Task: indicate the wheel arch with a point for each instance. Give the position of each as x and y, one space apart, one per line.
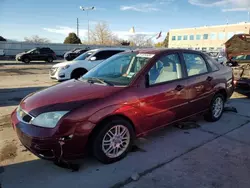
25 56
223 92
78 69
100 123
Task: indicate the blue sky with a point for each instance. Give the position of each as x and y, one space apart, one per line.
54 19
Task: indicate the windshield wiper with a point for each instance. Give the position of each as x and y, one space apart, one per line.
92 80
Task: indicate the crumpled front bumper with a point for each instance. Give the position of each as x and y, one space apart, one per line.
48 147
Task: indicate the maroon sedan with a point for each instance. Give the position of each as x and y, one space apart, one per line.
126 96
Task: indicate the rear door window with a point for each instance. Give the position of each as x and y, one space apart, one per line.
101 55
106 54
212 63
195 64
45 51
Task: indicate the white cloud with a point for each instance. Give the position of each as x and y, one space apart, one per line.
208 3
235 9
64 30
140 8
225 5
100 8
146 7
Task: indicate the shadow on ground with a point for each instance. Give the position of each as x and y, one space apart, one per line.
13 96
2 63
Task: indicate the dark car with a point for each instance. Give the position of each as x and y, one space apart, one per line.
37 54
69 56
124 97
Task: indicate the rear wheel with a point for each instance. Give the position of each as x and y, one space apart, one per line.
26 60
76 74
49 60
113 141
216 108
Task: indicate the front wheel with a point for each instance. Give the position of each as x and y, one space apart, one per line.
216 108
26 60
50 60
113 141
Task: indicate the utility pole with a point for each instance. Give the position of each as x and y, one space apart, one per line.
87 9
77 27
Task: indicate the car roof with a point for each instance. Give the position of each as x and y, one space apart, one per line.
103 49
157 51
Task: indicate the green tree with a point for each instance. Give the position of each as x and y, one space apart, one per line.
2 39
159 45
72 38
165 42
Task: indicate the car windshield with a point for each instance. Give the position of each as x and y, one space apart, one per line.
119 69
84 55
31 50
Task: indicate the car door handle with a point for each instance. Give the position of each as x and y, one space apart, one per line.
179 87
209 78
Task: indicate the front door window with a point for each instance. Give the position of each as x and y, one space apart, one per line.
167 68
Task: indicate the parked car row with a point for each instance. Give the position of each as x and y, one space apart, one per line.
120 99
218 56
37 54
72 54
82 64
47 54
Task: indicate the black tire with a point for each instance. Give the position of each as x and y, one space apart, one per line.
26 60
99 136
50 60
76 74
210 115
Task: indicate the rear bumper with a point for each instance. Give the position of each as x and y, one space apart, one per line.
242 83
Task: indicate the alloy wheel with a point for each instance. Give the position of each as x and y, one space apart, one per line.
116 141
217 107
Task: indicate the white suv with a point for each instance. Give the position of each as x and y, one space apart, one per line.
82 64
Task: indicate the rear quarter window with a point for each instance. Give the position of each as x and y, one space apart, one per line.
213 65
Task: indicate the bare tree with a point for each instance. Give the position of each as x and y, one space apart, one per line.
101 34
141 40
36 39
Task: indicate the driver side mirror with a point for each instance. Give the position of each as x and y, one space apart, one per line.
93 58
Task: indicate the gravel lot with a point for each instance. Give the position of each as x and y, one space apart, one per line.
211 155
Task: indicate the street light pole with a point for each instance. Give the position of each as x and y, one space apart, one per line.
87 9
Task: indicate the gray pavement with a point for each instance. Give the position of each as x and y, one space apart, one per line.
214 155
13 62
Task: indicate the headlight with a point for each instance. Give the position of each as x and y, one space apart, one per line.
48 119
65 67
